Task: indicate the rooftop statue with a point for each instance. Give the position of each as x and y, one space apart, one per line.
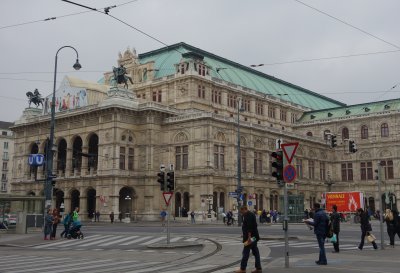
120 76
35 97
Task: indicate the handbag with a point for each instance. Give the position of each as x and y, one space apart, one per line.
371 238
334 238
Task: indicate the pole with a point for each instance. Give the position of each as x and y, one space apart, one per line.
285 225
168 233
239 166
48 187
380 204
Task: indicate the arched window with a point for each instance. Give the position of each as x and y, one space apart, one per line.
309 134
364 132
384 130
345 133
326 134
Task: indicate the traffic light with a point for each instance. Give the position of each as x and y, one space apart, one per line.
352 146
170 181
161 180
53 182
278 165
333 141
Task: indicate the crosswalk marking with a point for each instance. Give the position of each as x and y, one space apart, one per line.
153 241
69 242
136 240
118 241
100 241
191 269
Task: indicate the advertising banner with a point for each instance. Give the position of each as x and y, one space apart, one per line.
345 201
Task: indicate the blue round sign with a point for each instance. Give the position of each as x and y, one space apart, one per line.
249 203
289 173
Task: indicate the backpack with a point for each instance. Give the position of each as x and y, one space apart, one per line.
329 229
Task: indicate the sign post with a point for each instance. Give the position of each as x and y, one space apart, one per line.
289 175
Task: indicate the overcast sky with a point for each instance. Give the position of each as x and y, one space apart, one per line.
247 31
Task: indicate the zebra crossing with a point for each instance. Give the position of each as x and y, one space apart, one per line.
295 244
99 242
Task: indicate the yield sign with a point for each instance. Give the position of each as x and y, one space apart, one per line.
289 149
167 197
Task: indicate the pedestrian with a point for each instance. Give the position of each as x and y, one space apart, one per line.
320 224
48 223
120 217
365 228
335 220
97 216
66 222
390 225
75 214
56 220
163 214
112 217
250 239
396 217
193 221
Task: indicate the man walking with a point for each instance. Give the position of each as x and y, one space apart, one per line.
249 230
320 224
335 220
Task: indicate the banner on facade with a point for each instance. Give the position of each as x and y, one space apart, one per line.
345 201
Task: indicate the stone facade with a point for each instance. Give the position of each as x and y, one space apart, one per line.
109 151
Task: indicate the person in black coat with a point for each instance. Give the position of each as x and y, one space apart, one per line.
320 224
365 228
390 225
335 220
249 230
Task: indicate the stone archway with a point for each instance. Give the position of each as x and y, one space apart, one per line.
59 194
75 199
126 196
178 204
91 202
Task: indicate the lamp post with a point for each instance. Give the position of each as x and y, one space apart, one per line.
49 152
239 163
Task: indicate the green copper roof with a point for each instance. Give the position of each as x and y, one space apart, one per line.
352 110
165 59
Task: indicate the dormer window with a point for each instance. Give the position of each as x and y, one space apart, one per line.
201 69
182 68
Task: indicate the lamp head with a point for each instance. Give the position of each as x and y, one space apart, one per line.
77 65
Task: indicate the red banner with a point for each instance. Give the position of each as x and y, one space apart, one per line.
345 201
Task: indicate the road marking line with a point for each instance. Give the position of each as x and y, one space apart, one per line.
153 241
118 241
136 240
100 241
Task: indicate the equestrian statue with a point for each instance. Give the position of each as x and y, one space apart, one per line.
120 76
35 97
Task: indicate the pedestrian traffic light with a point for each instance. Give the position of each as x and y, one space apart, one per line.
352 146
161 180
333 141
277 172
170 181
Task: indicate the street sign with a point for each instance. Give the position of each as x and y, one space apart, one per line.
290 186
249 203
36 160
289 173
167 197
232 194
278 143
289 149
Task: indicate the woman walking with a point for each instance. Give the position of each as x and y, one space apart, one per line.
390 225
365 228
56 220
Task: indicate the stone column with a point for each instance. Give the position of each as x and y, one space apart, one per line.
83 213
68 165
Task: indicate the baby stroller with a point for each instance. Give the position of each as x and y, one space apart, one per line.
75 231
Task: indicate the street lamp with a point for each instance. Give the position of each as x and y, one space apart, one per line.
50 143
239 163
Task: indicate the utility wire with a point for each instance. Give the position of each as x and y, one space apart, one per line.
106 12
347 24
328 58
387 91
61 16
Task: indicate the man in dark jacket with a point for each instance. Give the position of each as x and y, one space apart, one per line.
335 220
249 230
320 224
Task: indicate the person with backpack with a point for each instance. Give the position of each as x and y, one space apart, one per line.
335 220
66 222
365 228
321 228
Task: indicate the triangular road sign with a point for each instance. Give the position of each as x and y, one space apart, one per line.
167 197
289 149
